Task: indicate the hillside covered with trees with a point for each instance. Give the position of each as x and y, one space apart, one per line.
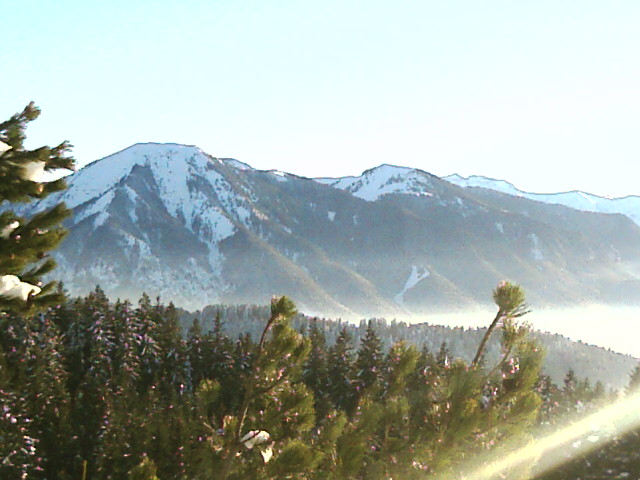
597 364
117 390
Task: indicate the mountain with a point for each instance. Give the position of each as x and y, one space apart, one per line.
629 206
174 221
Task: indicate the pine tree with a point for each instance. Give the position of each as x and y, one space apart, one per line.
32 379
369 361
315 374
195 354
444 357
221 364
24 243
273 411
511 303
396 440
634 381
172 359
478 407
340 361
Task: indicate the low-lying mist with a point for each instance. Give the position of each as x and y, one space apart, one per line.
616 328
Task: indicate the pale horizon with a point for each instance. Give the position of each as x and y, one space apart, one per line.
542 95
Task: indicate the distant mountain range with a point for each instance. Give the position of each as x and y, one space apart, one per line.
629 206
174 221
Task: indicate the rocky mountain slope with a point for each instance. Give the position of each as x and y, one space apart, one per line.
174 221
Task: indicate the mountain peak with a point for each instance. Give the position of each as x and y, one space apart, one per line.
389 168
137 150
171 164
382 180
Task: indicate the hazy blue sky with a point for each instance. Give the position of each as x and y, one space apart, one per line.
545 94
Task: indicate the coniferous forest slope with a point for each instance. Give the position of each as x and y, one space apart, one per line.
591 362
174 221
119 390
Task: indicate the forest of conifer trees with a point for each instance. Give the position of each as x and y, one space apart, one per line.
117 391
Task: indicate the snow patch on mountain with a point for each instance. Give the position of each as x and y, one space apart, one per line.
536 251
233 163
97 209
278 175
383 180
416 276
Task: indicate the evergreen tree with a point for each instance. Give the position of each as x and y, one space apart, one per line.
396 441
340 361
444 357
24 243
195 354
369 360
315 373
511 303
634 381
32 379
172 354
273 410
222 366
480 407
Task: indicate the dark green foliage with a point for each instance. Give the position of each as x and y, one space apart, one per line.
369 360
511 305
35 401
270 400
342 389
145 471
119 391
25 243
315 374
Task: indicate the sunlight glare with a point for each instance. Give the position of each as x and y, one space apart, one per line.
547 452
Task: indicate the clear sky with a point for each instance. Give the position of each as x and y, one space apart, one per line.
545 94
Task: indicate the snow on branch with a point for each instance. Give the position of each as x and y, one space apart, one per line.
12 287
8 230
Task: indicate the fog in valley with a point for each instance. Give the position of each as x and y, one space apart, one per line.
610 327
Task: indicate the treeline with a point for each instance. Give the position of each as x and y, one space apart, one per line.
587 361
96 390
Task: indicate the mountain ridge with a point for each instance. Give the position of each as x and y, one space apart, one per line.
175 221
628 205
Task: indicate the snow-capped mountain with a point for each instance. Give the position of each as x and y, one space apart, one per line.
174 221
385 179
629 206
